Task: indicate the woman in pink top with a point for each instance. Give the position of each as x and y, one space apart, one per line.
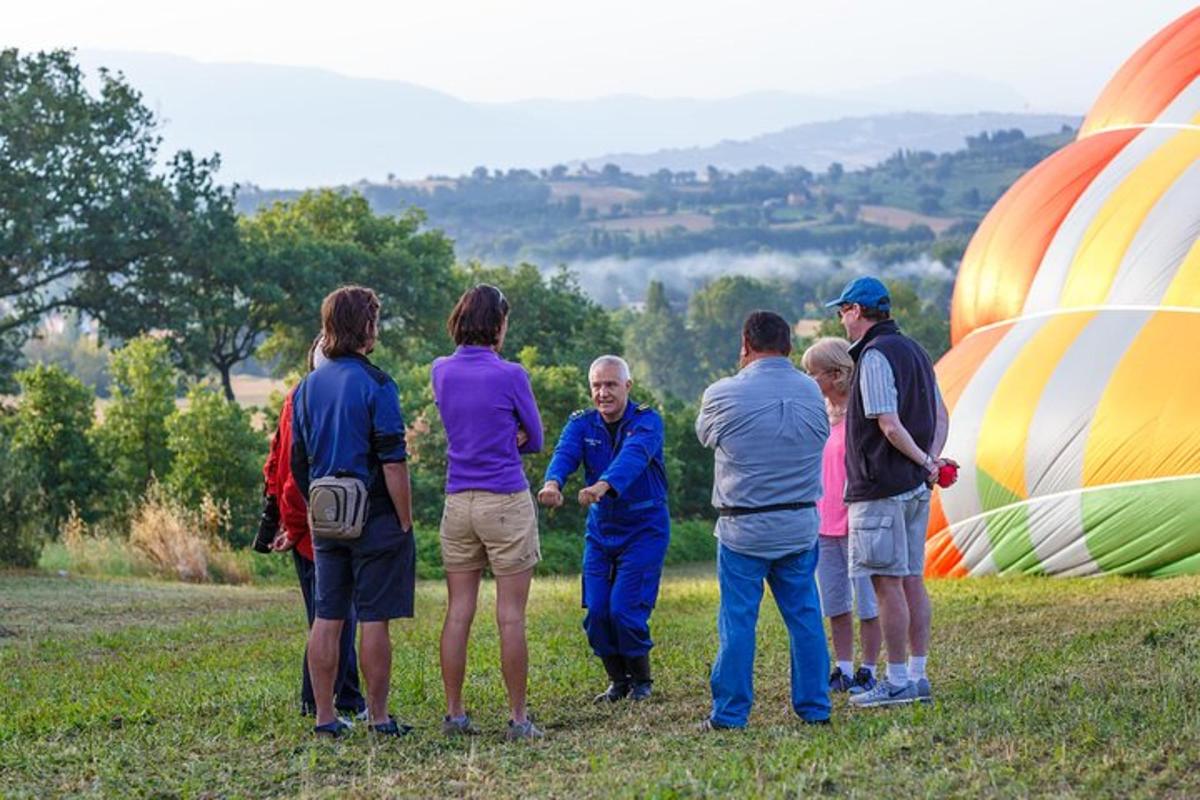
828 362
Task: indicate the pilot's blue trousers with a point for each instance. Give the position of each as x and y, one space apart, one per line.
620 588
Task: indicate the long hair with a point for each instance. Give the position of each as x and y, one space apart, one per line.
478 316
349 318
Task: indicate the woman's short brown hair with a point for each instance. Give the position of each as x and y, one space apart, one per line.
478 316
349 318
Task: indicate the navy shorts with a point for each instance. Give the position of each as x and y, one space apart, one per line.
376 572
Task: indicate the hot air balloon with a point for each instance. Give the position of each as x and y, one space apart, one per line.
1074 377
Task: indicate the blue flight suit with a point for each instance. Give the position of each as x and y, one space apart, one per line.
627 531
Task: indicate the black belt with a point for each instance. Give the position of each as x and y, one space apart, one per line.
740 511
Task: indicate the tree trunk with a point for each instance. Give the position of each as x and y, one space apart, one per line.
226 383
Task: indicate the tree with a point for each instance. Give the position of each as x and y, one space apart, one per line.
659 348
323 240
79 202
50 436
216 454
715 317
133 437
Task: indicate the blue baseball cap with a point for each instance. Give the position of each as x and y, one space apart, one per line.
867 292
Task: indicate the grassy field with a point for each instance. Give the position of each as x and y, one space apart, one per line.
1083 688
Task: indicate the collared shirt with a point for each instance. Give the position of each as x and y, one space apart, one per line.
878 385
483 399
346 420
768 427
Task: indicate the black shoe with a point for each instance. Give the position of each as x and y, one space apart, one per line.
839 681
639 675
619 683
391 728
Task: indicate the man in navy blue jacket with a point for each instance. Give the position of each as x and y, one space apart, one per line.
346 422
620 446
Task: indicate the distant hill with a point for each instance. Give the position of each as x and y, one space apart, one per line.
296 126
853 142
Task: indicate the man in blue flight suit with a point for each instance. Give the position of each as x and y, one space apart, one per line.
628 526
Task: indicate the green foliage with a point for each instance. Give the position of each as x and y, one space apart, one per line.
321 240
921 321
51 439
716 314
23 523
219 454
660 349
132 440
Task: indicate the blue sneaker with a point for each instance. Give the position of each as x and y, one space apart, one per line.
886 694
839 681
864 681
924 694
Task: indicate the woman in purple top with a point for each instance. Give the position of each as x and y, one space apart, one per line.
491 418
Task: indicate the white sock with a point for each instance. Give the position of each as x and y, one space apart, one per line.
916 667
847 668
869 668
897 674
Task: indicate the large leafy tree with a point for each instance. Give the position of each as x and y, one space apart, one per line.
322 240
660 350
78 193
715 317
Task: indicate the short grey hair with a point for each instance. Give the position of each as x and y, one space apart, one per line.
610 361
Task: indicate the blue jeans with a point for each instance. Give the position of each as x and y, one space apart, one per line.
740 579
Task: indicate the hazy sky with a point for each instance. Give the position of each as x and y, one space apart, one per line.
1057 54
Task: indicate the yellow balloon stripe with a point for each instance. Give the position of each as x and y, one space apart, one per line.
1185 286
1146 425
1099 255
1005 429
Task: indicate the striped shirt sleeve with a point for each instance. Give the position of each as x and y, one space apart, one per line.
877 384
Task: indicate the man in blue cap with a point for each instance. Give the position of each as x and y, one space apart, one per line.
896 425
620 445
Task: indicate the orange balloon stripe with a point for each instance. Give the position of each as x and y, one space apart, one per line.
955 369
942 557
1005 253
1148 82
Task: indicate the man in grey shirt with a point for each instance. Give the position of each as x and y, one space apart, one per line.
767 426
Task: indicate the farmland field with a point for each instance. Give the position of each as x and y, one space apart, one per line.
1075 688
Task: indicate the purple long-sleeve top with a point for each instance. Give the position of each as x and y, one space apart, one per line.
483 399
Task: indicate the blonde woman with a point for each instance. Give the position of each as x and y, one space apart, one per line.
828 362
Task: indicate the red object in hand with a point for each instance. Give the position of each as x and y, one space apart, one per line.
947 475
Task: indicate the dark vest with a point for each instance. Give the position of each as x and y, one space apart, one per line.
874 468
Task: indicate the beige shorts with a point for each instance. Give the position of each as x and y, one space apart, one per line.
481 529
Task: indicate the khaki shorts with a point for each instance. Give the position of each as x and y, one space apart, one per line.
481 529
887 537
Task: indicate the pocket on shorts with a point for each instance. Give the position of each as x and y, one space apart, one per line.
873 541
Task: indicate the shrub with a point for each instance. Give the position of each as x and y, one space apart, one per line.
51 440
22 511
133 437
182 543
218 454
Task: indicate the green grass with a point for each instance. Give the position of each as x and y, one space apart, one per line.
127 688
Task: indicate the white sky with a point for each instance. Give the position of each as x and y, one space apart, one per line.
1056 53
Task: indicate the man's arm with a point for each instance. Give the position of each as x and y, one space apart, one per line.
568 454
639 447
881 402
706 420
395 475
943 426
899 437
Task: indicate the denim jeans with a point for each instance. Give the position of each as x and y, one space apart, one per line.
792 582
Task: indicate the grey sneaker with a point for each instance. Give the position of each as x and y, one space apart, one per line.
864 681
518 731
461 726
924 695
885 694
